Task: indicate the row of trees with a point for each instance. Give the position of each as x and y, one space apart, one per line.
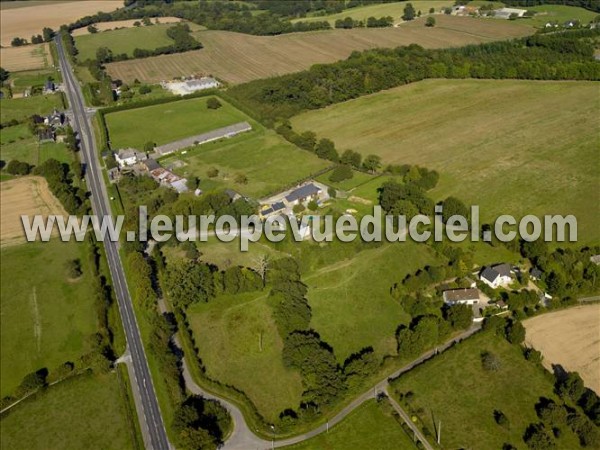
46 36
560 56
372 22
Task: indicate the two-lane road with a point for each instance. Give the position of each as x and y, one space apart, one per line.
151 422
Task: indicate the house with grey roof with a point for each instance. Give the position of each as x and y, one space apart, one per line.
496 276
129 156
469 296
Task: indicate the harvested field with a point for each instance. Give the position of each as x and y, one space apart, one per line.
105 26
28 57
30 196
29 20
238 58
570 338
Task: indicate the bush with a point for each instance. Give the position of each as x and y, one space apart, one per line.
341 173
490 362
313 206
213 172
430 22
213 103
298 208
73 268
15 167
241 178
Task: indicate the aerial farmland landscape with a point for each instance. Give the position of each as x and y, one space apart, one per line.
299 224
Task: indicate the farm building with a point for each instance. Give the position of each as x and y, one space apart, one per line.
56 120
189 86
496 276
506 13
220 133
167 178
129 157
150 164
273 209
468 296
303 194
46 135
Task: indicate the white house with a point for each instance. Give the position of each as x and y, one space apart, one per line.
468 296
192 85
129 157
506 13
496 276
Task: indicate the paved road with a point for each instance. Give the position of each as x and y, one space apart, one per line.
152 426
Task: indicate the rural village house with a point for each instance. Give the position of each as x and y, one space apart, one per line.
496 276
468 296
129 156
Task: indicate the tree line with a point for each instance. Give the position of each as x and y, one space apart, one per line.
567 55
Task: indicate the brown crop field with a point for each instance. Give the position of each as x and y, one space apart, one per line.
30 196
238 58
105 26
28 57
570 338
29 20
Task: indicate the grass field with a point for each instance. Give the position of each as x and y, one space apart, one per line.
168 122
230 331
47 319
559 333
22 108
534 152
350 313
30 18
116 24
455 389
123 41
558 13
84 412
369 427
28 57
238 58
269 162
28 78
394 9
18 143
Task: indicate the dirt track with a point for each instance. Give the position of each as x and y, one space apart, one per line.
570 338
28 195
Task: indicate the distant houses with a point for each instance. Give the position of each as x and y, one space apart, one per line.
496 276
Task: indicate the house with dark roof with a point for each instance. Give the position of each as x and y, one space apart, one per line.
303 194
496 276
150 164
535 273
49 87
233 195
468 296
56 119
275 208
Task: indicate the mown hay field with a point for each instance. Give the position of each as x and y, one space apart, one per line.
571 339
29 20
28 57
26 195
511 147
238 58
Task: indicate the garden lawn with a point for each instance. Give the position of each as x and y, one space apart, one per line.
46 319
511 147
168 122
455 389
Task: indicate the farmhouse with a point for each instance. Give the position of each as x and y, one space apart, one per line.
496 276
150 164
535 273
56 120
49 87
220 133
46 135
461 296
192 85
129 157
303 194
